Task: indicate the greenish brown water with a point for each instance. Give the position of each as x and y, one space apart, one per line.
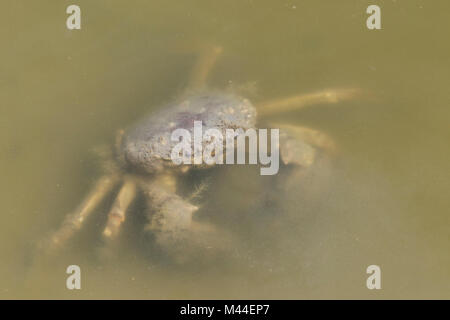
383 200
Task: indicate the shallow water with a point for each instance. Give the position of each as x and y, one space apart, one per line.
382 200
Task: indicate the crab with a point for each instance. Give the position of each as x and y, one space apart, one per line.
142 158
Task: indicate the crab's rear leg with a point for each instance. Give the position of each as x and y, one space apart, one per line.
119 208
73 222
304 100
203 67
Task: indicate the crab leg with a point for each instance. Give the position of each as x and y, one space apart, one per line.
171 212
203 67
74 221
304 100
298 144
118 210
311 136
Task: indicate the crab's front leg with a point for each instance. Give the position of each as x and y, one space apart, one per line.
172 215
303 148
299 145
171 219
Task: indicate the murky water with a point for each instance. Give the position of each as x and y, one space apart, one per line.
382 200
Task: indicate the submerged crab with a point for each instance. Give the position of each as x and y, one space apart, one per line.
143 160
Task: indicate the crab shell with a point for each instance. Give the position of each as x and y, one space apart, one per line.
147 146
